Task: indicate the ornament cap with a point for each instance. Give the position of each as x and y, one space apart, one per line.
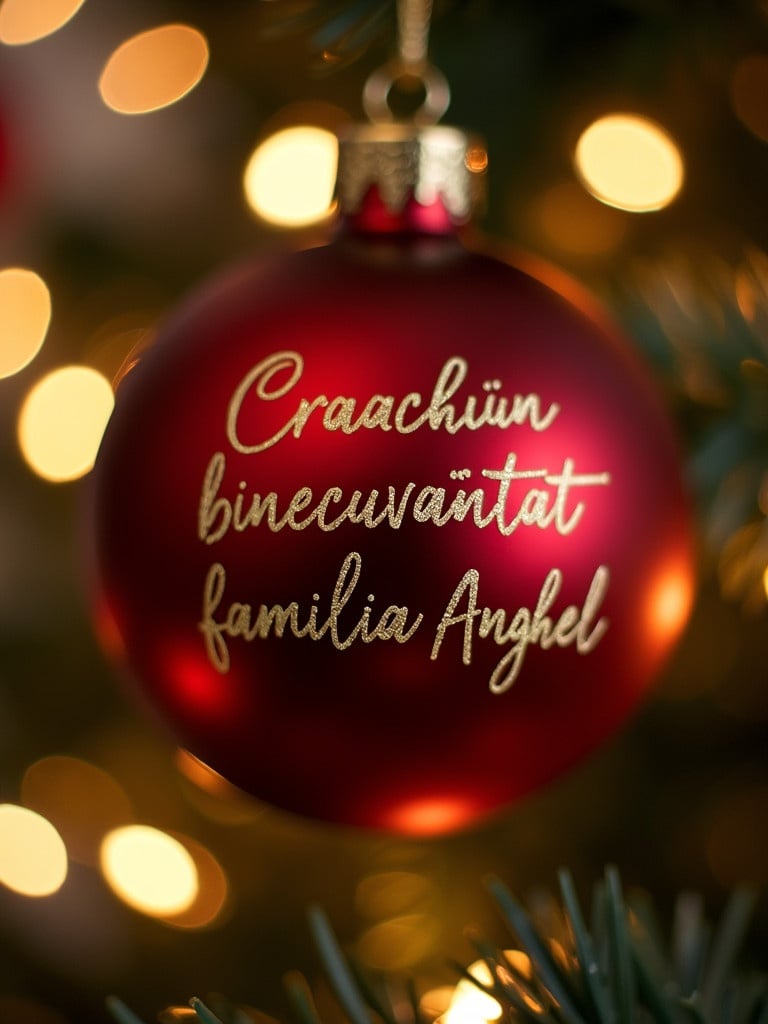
412 168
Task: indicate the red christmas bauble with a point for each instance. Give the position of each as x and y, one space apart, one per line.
390 531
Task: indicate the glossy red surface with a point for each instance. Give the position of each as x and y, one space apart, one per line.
381 733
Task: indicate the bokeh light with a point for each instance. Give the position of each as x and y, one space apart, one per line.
399 943
33 858
80 800
290 177
749 94
436 1001
520 971
25 313
469 1005
741 566
520 962
154 69
62 421
26 21
576 223
149 870
392 892
629 162
210 900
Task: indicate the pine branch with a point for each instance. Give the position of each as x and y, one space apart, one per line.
618 971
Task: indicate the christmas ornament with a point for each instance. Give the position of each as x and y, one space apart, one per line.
390 531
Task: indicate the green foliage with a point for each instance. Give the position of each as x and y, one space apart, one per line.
616 970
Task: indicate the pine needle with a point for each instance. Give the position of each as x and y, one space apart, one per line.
616 970
120 1011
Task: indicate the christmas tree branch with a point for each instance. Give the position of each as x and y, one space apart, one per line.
616 971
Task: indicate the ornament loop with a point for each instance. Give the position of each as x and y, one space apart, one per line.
413 18
381 82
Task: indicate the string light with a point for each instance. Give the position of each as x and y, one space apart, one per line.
154 69
33 858
469 1005
289 178
629 162
25 314
26 21
62 421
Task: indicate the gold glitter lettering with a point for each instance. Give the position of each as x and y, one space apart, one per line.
243 621
525 628
380 410
536 507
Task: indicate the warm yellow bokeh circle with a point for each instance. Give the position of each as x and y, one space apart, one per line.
62 421
290 177
33 858
629 162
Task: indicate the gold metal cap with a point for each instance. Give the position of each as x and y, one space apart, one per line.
405 161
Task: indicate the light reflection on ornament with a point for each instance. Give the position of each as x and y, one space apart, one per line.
198 684
154 69
213 796
149 870
62 421
289 178
26 21
33 858
25 314
629 162
202 776
669 603
431 816
477 159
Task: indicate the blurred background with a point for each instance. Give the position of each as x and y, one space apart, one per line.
135 162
